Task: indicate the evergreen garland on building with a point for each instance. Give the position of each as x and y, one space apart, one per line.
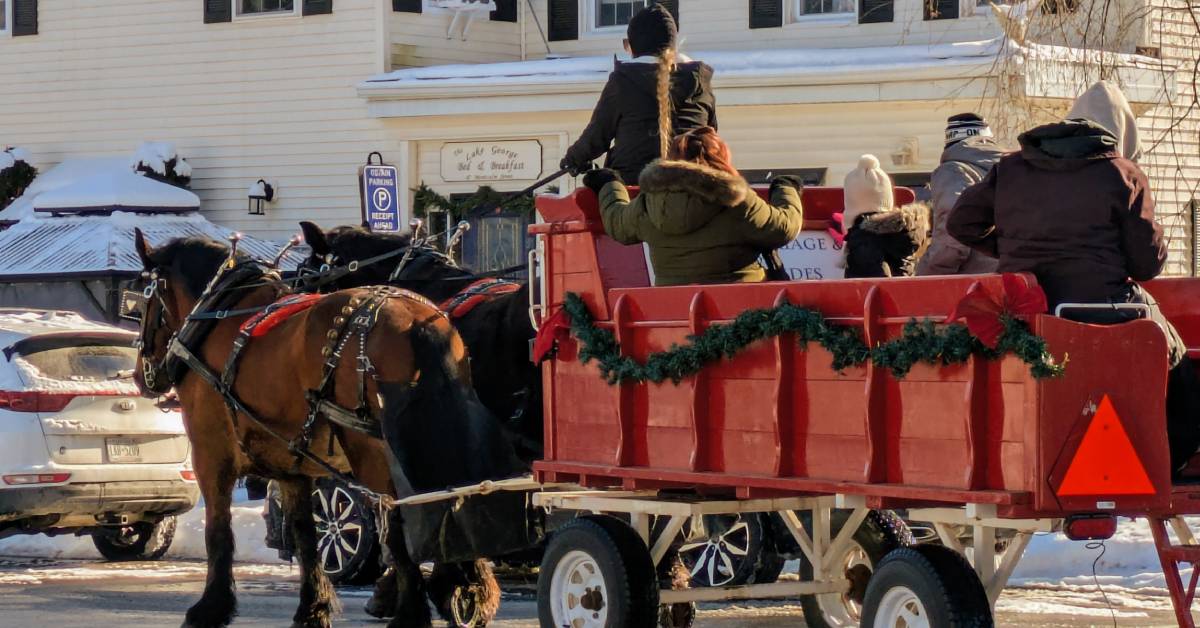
426 199
16 174
921 342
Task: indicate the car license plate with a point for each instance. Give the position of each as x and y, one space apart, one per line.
123 450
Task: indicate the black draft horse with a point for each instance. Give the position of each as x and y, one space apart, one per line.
416 390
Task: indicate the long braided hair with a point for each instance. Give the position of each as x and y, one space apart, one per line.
666 124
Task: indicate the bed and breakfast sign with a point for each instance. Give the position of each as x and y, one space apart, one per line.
379 186
519 160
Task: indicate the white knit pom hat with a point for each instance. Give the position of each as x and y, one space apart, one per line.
867 189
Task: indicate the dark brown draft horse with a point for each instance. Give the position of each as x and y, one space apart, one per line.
252 402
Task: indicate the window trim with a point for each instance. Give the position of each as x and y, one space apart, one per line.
8 9
589 9
238 16
794 16
429 9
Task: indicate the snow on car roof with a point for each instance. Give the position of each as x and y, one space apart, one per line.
16 323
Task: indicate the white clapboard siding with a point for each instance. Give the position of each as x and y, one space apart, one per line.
724 25
1171 134
419 39
268 98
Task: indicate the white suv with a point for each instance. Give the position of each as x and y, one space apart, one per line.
80 451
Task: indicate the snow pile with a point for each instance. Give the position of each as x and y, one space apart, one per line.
11 156
249 531
1129 561
159 158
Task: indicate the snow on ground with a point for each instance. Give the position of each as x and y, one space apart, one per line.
248 528
1129 560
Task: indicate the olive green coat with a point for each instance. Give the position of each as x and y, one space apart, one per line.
702 225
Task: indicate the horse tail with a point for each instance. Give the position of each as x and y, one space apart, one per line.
439 433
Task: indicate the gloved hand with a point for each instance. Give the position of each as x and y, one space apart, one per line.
595 180
789 180
573 167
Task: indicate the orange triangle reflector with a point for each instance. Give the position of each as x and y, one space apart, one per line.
1106 462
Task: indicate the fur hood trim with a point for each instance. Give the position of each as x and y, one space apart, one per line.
716 186
912 219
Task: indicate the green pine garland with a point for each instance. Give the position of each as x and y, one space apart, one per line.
426 199
921 342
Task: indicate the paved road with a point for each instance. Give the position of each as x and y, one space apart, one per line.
87 594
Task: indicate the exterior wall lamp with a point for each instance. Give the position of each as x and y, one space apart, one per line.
260 192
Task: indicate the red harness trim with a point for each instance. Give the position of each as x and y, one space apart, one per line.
262 323
481 291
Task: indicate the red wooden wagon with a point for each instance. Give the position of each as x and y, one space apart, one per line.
983 444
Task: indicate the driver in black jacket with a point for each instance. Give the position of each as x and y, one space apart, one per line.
647 101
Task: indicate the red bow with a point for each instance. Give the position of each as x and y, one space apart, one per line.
835 229
553 329
983 312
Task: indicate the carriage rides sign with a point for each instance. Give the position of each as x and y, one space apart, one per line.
379 190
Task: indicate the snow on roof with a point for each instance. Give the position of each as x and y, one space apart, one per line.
749 63
116 191
58 246
65 173
31 322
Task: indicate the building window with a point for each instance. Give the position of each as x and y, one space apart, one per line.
258 8
810 8
4 17
615 13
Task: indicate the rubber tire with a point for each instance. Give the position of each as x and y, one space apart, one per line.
941 579
151 543
762 564
622 559
879 534
364 567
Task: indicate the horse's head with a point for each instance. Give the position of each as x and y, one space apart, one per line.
175 275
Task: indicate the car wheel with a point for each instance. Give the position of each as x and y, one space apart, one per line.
735 552
347 543
139 541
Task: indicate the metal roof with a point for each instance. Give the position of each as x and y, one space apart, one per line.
75 246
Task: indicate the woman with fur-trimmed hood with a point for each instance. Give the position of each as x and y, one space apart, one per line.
703 222
879 240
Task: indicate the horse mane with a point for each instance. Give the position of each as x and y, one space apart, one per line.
194 260
366 243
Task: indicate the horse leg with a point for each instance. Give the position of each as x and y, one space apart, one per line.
218 604
317 599
411 609
473 580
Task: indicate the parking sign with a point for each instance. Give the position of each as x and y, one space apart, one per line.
381 197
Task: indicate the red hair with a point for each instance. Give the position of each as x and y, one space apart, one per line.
702 146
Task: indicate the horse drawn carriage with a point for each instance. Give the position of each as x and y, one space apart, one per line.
823 403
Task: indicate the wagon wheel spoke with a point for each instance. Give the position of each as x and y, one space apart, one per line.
712 570
732 548
337 553
728 564
700 563
326 513
352 527
344 505
344 545
688 548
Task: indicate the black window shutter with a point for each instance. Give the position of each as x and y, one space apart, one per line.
316 7
24 17
876 11
218 11
941 9
564 20
408 6
506 11
672 6
766 13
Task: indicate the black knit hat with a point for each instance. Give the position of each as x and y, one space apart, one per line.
964 125
652 31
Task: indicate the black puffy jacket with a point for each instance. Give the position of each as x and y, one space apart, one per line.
625 121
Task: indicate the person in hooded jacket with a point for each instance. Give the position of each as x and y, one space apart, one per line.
878 239
1074 209
971 151
702 221
646 102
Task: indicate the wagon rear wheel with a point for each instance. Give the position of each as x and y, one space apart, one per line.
924 586
597 573
880 533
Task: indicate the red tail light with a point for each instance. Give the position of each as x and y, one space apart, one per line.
37 478
188 475
38 401
1090 527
